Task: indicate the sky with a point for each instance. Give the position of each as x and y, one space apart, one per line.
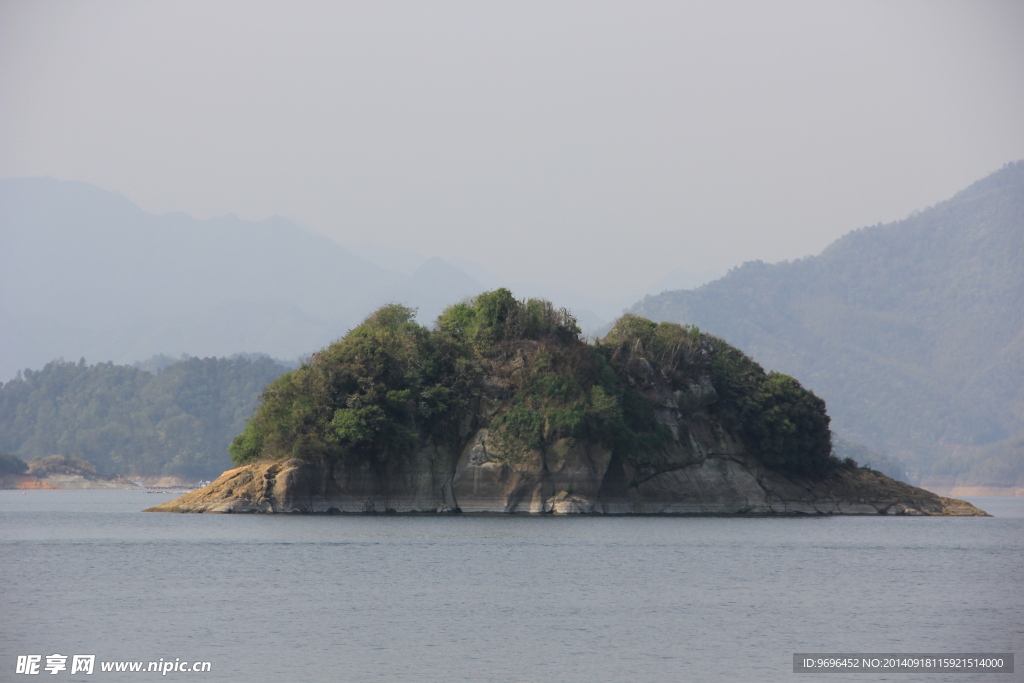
583 145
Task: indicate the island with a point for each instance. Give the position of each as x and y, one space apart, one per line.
501 407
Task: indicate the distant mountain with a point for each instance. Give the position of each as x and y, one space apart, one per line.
681 278
434 286
913 332
592 312
85 272
389 258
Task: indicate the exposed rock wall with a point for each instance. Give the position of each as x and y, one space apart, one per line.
704 468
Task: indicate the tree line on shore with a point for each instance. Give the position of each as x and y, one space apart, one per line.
127 420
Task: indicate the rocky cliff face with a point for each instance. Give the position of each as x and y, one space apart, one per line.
705 469
719 485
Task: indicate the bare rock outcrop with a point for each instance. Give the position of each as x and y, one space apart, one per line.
699 478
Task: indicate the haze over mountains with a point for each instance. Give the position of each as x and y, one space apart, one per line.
85 272
913 332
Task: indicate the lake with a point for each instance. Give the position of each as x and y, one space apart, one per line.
498 598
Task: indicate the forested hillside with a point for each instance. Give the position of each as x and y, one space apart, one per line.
913 332
128 421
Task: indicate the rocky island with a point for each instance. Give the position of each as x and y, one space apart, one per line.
502 408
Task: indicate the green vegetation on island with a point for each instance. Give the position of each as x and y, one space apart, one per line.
392 386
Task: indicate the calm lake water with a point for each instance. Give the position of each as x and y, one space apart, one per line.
389 598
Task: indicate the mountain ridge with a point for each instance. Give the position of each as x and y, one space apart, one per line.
913 331
86 272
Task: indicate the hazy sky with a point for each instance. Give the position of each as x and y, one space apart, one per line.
579 144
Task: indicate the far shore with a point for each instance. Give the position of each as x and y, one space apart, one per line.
77 482
958 491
